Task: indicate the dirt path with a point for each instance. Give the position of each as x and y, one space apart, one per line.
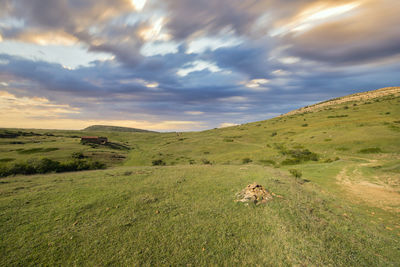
378 195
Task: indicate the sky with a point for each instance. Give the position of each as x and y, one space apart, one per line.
187 65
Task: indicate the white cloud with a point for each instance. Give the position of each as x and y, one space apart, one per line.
197 65
152 84
314 15
194 112
227 124
280 72
159 48
28 107
155 31
69 56
289 60
202 44
256 83
138 4
234 99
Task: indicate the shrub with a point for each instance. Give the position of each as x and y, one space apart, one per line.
337 116
7 159
246 160
206 161
296 173
290 162
304 125
267 161
46 165
158 162
298 156
78 155
303 155
273 134
370 150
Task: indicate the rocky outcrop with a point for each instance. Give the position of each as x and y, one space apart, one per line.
254 193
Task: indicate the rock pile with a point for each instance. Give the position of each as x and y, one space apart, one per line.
254 193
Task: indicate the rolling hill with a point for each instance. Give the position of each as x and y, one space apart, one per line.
170 199
106 128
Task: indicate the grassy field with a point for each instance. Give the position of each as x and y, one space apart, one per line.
343 210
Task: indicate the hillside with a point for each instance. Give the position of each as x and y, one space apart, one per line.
106 128
358 97
334 171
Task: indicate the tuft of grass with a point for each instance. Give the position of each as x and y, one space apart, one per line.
37 150
296 173
370 150
267 162
158 162
246 160
337 116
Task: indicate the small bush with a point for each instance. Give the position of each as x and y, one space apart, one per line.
206 161
78 155
6 159
290 162
158 162
370 150
246 160
296 173
46 165
273 134
304 125
337 116
267 162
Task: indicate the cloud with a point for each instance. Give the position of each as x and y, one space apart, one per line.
369 34
163 62
227 124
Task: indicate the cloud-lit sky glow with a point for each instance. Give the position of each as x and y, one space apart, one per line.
179 65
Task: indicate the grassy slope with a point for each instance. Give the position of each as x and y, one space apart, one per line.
346 215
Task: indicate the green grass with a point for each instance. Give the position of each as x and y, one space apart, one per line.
184 213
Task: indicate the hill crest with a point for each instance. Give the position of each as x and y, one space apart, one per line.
108 128
364 96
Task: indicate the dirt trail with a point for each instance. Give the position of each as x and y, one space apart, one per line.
375 194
